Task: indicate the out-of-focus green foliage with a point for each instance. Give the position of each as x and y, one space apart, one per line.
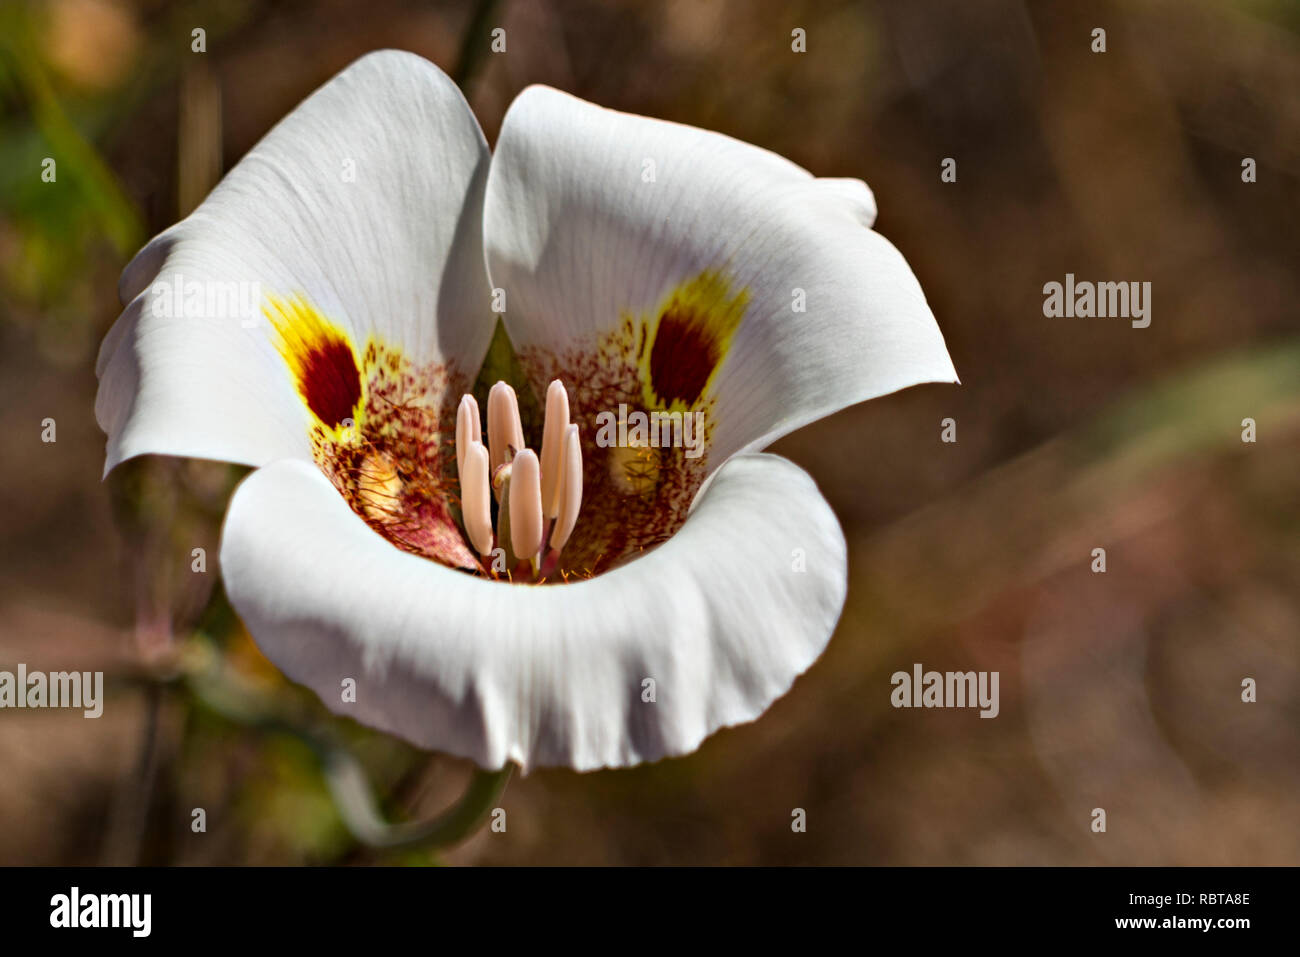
57 223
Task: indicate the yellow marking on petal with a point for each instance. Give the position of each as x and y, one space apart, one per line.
321 359
684 344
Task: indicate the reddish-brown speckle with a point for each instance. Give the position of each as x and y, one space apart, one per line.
397 467
633 499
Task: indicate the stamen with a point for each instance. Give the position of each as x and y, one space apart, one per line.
538 498
475 503
557 421
505 430
570 489
468 429
525 506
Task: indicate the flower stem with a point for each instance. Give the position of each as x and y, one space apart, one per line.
222 693
356 803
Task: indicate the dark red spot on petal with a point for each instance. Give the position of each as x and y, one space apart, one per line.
329 381
682 357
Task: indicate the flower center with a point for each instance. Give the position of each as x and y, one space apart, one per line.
381 428
537 499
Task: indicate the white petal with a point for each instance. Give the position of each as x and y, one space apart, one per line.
366 199
718 617
579 238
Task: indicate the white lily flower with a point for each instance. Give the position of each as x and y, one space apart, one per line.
647 267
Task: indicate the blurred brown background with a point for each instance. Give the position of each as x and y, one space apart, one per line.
1119 691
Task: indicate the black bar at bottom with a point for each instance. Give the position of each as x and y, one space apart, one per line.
930 905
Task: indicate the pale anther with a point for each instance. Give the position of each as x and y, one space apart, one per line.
525 505
475 500
468 428
505 431
557 421
570 495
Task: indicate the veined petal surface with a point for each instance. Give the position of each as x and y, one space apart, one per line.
641 662
355 222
